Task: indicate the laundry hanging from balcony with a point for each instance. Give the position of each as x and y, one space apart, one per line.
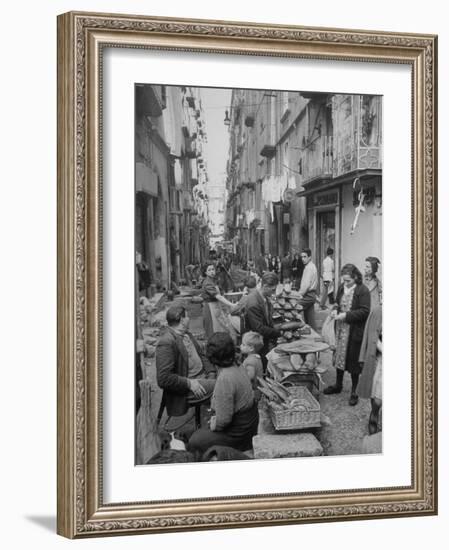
273 188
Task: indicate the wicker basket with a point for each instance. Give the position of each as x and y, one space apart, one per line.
295 419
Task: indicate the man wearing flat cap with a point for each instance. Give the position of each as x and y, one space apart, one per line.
183 371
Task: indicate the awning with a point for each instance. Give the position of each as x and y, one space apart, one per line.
322 184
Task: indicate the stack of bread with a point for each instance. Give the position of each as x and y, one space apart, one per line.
288 313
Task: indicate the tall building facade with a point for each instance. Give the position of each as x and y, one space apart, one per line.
305 170
171 213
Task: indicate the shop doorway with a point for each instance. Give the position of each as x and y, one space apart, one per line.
325 237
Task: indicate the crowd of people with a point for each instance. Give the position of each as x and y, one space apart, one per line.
189 375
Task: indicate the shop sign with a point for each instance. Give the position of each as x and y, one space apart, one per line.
325 199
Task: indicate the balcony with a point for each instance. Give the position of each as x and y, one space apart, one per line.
150 100
317 160
354 149
268 151
358 133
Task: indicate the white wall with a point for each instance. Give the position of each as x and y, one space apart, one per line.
28 274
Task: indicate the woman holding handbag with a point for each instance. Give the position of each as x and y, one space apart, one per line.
350 313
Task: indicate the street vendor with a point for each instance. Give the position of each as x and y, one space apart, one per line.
259 313
216 308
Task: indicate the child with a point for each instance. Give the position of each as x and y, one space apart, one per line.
252 343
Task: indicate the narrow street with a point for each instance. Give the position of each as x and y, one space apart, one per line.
343 426
251 184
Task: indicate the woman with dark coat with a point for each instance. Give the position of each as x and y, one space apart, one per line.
350 313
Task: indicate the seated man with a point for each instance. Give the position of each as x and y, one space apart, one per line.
183 372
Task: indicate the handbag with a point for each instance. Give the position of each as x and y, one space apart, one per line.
328 331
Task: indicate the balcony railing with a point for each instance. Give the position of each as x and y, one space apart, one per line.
317 159
356 143
357 124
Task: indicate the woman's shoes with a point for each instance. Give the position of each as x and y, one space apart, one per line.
372 424
354 399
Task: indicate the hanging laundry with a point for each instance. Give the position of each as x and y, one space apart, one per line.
276 189
283 184
292 182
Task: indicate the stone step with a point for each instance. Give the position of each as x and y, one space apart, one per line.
286 445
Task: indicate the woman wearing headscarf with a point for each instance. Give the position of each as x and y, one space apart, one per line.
350 313
216 308
370 383
372 281
236 415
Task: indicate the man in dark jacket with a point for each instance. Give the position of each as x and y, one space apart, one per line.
259 314
183 371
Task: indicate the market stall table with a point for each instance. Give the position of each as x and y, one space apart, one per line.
298 362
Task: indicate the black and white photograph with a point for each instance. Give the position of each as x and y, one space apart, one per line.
258 274
228 212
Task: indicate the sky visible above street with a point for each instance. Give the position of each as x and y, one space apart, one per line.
215 102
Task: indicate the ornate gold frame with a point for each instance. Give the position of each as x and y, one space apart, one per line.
81 37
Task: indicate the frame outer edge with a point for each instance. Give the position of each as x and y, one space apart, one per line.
77 224
65 281
93 270
434 138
